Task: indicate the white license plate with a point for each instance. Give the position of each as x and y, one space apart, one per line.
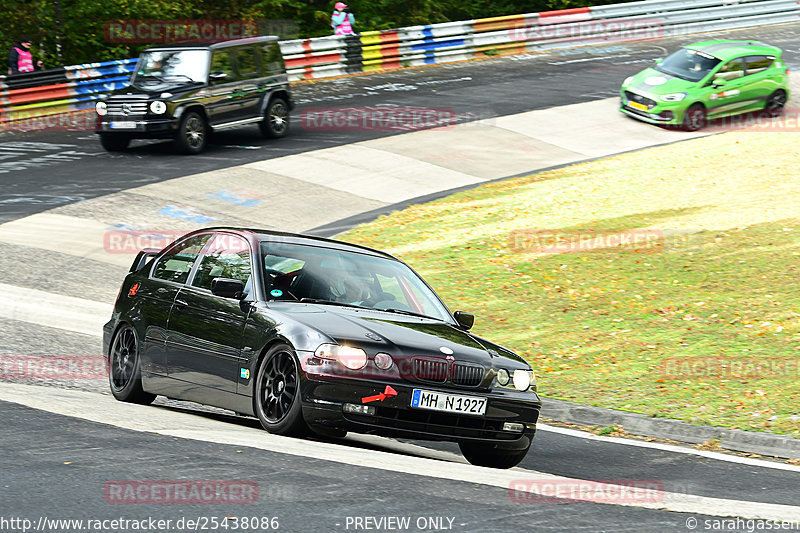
450 403
123 125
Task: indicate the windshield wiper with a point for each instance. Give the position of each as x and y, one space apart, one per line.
330 302
409 313
159 78
181 76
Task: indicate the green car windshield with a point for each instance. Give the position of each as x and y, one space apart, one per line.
688 64
324 275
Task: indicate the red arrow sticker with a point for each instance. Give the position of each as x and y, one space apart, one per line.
388 392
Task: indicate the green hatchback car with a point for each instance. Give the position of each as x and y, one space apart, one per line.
708 80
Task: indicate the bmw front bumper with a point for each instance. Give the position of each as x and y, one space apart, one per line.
323 403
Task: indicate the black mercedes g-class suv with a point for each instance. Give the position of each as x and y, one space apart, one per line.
185 91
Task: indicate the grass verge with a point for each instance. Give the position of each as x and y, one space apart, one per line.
699 323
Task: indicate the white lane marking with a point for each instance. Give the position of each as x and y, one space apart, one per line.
53 310
671 448
599 58
102 409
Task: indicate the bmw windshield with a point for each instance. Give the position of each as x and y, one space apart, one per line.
687 64
296 272
172 66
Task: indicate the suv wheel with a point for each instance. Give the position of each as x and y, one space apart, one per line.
114 142
276 120
192 133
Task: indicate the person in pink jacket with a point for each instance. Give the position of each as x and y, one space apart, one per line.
20 59
342 20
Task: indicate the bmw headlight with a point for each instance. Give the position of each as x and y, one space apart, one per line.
674 97
350 357
502 377
158 107
101 108
523 379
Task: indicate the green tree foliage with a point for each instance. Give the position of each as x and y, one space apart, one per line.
76 36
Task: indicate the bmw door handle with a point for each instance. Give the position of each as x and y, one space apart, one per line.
180 304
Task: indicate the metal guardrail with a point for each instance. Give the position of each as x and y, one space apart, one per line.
61 90
77 87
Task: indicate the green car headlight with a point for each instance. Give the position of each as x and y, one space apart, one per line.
674 97
627 81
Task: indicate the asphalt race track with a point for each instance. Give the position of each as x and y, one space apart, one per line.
63 443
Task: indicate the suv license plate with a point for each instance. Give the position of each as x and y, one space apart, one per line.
123 125
450 403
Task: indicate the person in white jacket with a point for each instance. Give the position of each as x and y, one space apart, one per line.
342 20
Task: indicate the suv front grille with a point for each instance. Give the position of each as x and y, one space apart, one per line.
127 109
633 97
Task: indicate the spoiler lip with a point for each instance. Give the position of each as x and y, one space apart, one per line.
142 257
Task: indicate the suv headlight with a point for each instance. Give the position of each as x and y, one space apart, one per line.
158 107
101 108
674 97
352 358
523 379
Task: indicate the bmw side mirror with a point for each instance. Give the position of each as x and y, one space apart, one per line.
217 76
227 288
465 320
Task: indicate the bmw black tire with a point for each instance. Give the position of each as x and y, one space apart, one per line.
695 118
492 455
276 119
192 133
775 103
124 372
114 142
276 397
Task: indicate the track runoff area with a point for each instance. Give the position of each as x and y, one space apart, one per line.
63 227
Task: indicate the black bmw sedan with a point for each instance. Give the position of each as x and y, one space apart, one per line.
315 336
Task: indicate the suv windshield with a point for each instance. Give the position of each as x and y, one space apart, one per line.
181 66
688 64
323 275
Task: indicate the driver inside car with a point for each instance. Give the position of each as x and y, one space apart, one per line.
350 289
